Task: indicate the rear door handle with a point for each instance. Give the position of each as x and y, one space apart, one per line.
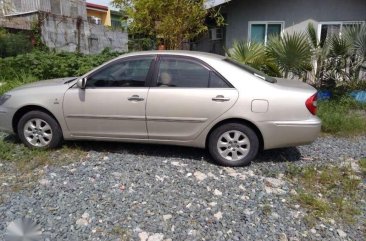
135 98
220 98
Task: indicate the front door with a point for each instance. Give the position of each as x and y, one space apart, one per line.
187 97
113 103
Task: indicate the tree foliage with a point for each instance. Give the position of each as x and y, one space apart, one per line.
175 21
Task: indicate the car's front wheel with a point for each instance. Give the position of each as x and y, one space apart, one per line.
37 129
233 144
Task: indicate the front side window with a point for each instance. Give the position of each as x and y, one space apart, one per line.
260 32
187 74
125 73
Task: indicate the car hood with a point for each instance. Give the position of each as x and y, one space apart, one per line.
45 83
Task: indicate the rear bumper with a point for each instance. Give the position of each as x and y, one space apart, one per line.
278 134
6 116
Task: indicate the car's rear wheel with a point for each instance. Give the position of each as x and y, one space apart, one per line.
233 144
37 129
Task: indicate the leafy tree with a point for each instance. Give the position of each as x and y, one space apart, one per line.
174 21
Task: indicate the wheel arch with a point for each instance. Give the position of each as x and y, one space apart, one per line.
240 121
25 109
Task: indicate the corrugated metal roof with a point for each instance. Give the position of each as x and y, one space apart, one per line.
214 3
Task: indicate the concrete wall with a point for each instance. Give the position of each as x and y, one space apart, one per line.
67 34
296 14
64 25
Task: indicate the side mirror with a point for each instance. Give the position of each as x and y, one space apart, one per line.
81 83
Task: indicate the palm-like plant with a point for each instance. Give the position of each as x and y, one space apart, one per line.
356 39
291 52
254 55
356 36
319 51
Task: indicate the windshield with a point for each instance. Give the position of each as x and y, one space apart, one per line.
253 71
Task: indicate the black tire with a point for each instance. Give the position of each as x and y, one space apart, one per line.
57 136
219 131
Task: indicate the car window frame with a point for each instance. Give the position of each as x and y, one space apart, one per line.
154 81
120 60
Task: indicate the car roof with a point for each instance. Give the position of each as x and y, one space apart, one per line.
177 52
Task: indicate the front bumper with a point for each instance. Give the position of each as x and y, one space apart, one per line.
6 117
279 134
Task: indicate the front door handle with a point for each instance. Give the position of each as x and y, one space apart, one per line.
135 98
220 98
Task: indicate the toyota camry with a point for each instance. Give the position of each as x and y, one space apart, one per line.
167 97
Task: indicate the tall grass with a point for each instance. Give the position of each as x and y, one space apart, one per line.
18 80
343 117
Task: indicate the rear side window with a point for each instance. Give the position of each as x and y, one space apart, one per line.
187 74
217 82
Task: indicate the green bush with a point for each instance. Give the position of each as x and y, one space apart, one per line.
47 65
14 44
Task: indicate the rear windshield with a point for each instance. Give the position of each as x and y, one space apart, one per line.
251 70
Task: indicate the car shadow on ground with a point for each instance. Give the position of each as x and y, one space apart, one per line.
291 154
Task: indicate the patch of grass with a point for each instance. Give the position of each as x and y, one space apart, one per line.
267 209
310 201
24 165
122 233
292 170
327 191
362 164
27 159
343 117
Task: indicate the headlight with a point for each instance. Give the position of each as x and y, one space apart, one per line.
4 98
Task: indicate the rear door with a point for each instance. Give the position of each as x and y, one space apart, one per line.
187 95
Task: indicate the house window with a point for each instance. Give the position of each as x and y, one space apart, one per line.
261 31
329 28
116 23
94 20
216 33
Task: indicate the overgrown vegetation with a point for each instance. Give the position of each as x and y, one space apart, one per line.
342 116
45 65
12 44
327 192
38 65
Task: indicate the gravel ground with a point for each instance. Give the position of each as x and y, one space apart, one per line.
146 192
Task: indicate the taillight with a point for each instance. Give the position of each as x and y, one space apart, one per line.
311 104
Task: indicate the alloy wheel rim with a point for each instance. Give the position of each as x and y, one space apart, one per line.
38 132
233 145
